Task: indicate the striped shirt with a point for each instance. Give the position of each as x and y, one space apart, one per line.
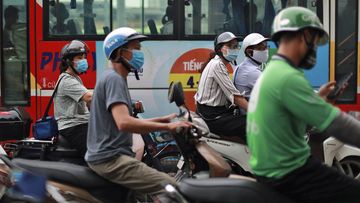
215 86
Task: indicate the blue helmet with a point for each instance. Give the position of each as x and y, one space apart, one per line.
120 37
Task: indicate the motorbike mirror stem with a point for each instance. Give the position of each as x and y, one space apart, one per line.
188 111
183 108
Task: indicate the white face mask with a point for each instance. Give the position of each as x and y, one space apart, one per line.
260 56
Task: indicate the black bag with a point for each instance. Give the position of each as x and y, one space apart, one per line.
46 128
14 123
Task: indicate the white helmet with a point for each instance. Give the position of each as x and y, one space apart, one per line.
253 39
120 37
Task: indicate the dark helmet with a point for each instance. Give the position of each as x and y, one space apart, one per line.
224 38
73 48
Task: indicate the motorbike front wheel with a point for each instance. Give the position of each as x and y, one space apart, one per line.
165 162
168 162
349 166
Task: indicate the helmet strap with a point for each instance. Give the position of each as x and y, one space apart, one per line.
128 67
309 59
255 61
137 75
124 62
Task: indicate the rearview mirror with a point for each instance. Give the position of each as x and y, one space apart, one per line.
176 93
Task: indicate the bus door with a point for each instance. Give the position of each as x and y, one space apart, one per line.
14 67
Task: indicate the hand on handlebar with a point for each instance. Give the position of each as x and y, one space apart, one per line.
179 126
167 118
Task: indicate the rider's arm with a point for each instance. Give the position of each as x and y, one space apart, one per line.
221 76
345 128
241 101
71 87
163 119
125 122
87 97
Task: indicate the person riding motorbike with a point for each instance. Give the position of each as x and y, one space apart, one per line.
281 106
72 97
111 124
216 94
256 54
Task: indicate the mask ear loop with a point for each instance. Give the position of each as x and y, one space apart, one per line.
126 64
69 63
310 44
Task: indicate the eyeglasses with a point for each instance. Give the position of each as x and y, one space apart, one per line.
233 46
261 47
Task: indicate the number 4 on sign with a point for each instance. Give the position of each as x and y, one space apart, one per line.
190 82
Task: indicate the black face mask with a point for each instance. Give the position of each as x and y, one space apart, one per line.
309 60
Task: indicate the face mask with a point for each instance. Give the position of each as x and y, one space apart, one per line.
260 56
309 59
231 54
81 65
137 60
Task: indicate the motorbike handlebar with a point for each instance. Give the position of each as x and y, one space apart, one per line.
211 135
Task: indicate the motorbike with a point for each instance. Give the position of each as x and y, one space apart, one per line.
332 152
232 148
74 182
160 150
343 157
199 158
66 182
56 149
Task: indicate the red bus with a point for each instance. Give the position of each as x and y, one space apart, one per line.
181 34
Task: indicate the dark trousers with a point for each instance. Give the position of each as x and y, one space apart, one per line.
314 183
77 137
223 121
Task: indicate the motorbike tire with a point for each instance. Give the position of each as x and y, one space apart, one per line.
349 166
167 162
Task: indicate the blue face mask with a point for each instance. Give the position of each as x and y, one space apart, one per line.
137 60
81 65
231 54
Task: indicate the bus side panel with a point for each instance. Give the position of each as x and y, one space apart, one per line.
167 61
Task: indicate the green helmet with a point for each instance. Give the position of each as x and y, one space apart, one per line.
295 18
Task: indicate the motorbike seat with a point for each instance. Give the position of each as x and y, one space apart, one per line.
62 142
229 191
74 175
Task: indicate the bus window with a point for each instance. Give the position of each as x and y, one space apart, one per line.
346 47
211 17
208 17
15 80
262 14
152 17
79 17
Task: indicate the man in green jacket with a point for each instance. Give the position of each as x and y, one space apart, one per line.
283 103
